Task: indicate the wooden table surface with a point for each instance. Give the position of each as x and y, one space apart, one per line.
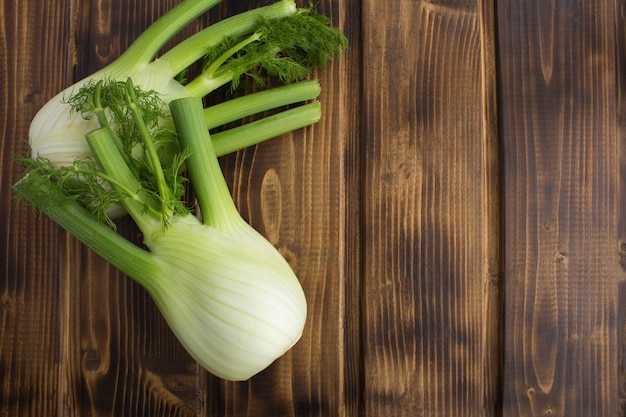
456 219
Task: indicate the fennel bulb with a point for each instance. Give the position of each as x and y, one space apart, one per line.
58 134
228 295
232 300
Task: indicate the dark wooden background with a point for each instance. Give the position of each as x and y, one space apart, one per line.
456 219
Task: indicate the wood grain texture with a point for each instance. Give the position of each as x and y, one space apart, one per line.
430 201
620 70
563 206
461 241
30 330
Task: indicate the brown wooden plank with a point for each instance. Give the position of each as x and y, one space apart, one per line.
430 205
620 47
346 125
31 382
563 199
32 335
293 189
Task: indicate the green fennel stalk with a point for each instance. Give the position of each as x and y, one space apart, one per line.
247 44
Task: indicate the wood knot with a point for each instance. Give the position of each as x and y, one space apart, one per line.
91 359
622 255
271 205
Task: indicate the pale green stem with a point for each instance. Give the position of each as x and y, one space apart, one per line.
103 120
144 212
153 156
111 180
119 252
196 46
248 105
266 128
148 44
212 69
202 85
205 174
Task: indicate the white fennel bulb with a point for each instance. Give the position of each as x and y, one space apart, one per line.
232 300
58 134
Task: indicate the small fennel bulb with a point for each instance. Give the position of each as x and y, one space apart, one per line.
58 134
